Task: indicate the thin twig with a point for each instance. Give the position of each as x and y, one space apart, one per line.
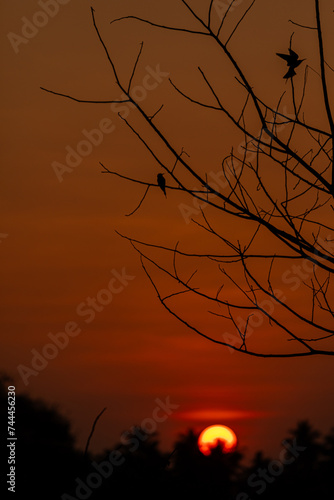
88 101
140 203
92 431
239 22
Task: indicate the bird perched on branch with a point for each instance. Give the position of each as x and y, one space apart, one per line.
162 183
292 60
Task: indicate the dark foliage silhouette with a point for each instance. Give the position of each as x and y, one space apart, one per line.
46 458
49 466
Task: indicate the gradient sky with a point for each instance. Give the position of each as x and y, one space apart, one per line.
61 246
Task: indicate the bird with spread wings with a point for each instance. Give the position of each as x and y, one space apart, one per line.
292 60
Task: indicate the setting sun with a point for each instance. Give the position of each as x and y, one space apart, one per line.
214 435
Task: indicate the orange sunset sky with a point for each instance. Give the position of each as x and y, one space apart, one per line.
59 245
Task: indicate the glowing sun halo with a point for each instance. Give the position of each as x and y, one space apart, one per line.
212 436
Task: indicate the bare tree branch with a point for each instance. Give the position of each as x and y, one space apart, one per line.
324 82
279 182
92 431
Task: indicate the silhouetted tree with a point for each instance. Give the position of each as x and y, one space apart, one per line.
303 475
48 466
300 470
327 465
195 474
46 459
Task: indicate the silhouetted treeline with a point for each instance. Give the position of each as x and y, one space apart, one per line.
49 466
